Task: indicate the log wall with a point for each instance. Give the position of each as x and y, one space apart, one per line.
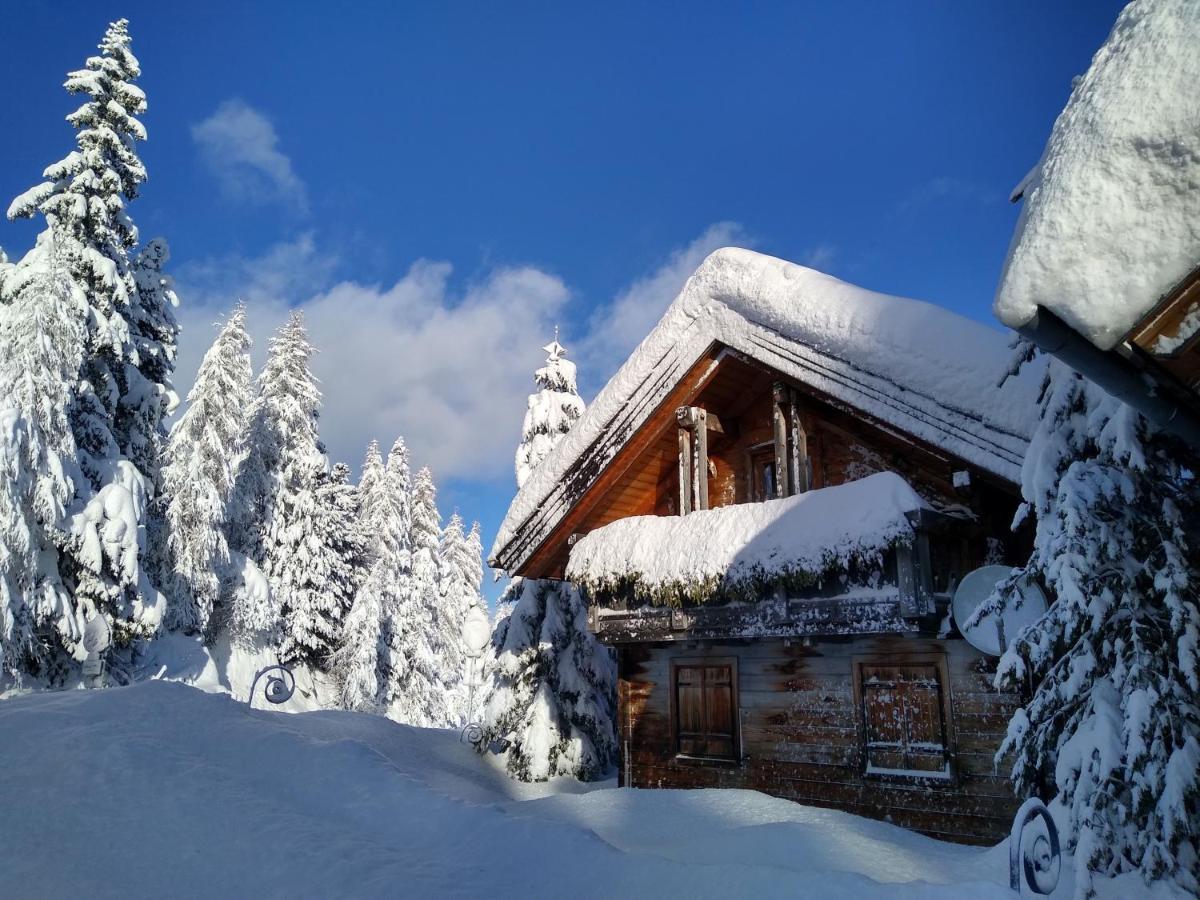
802 731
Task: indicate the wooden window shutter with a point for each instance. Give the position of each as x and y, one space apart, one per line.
706 710
903 719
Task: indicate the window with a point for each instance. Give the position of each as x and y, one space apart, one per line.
762 472
904 718
705 708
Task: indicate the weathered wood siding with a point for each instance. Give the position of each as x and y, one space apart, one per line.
801 731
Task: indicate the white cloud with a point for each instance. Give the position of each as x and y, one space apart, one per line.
819 257
240 147
448 371
614 330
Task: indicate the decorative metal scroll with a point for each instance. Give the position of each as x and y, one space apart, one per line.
1040 864
472 734
279 686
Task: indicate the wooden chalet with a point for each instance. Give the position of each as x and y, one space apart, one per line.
768 508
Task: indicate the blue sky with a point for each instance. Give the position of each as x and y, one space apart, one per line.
439 184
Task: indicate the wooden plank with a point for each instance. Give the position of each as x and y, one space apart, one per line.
778 419
685 471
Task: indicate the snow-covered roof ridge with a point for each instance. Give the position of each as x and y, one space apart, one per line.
1111 222
739 549
912 365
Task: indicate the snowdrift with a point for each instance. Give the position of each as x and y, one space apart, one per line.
161 790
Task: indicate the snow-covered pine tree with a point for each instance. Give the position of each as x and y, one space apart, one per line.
1113 725
551 411
41 349
83 201
148 396
368 662
202 455
553 685
276 485
553 693
457 595
323 588
419 696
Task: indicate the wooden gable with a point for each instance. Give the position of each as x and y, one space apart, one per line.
738 395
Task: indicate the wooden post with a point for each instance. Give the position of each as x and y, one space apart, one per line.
693 458
685 470
801 474
699 417
779 392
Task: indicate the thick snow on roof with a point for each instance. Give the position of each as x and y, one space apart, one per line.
814 533
912 365
1111 221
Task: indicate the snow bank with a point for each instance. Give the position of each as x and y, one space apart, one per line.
666 559
159 790
913 365
1111 220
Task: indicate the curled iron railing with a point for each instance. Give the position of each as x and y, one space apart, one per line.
472 734
280 685
1036 861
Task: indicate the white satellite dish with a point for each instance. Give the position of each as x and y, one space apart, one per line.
477 631
97 635
994 632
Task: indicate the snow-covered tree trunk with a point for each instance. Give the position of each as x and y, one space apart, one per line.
1113 726
202 452
553 695
551 412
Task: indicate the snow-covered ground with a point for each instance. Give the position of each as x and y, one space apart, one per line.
160 790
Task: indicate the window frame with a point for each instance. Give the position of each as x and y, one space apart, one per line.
939 662
686 662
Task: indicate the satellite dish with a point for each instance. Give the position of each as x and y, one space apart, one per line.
477 631
97 635
994 632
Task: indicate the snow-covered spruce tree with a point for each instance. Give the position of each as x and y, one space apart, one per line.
202 454
552 410
324 587
458 580
275 489
418 695
83 201
553 692
1113 726
41 347
148 396
367 663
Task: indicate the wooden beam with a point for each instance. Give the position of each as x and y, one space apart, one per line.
801 466
685 470
701 461
779 394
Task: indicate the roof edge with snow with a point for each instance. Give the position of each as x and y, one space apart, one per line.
907 364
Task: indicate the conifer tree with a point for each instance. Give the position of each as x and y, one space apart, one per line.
41 346
551 411
202 452
324 572
113 402
552 694
367 660
418 696
459 580
1112 726
276 483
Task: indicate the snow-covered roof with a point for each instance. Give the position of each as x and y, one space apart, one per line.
911 365
669 558
1111 217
